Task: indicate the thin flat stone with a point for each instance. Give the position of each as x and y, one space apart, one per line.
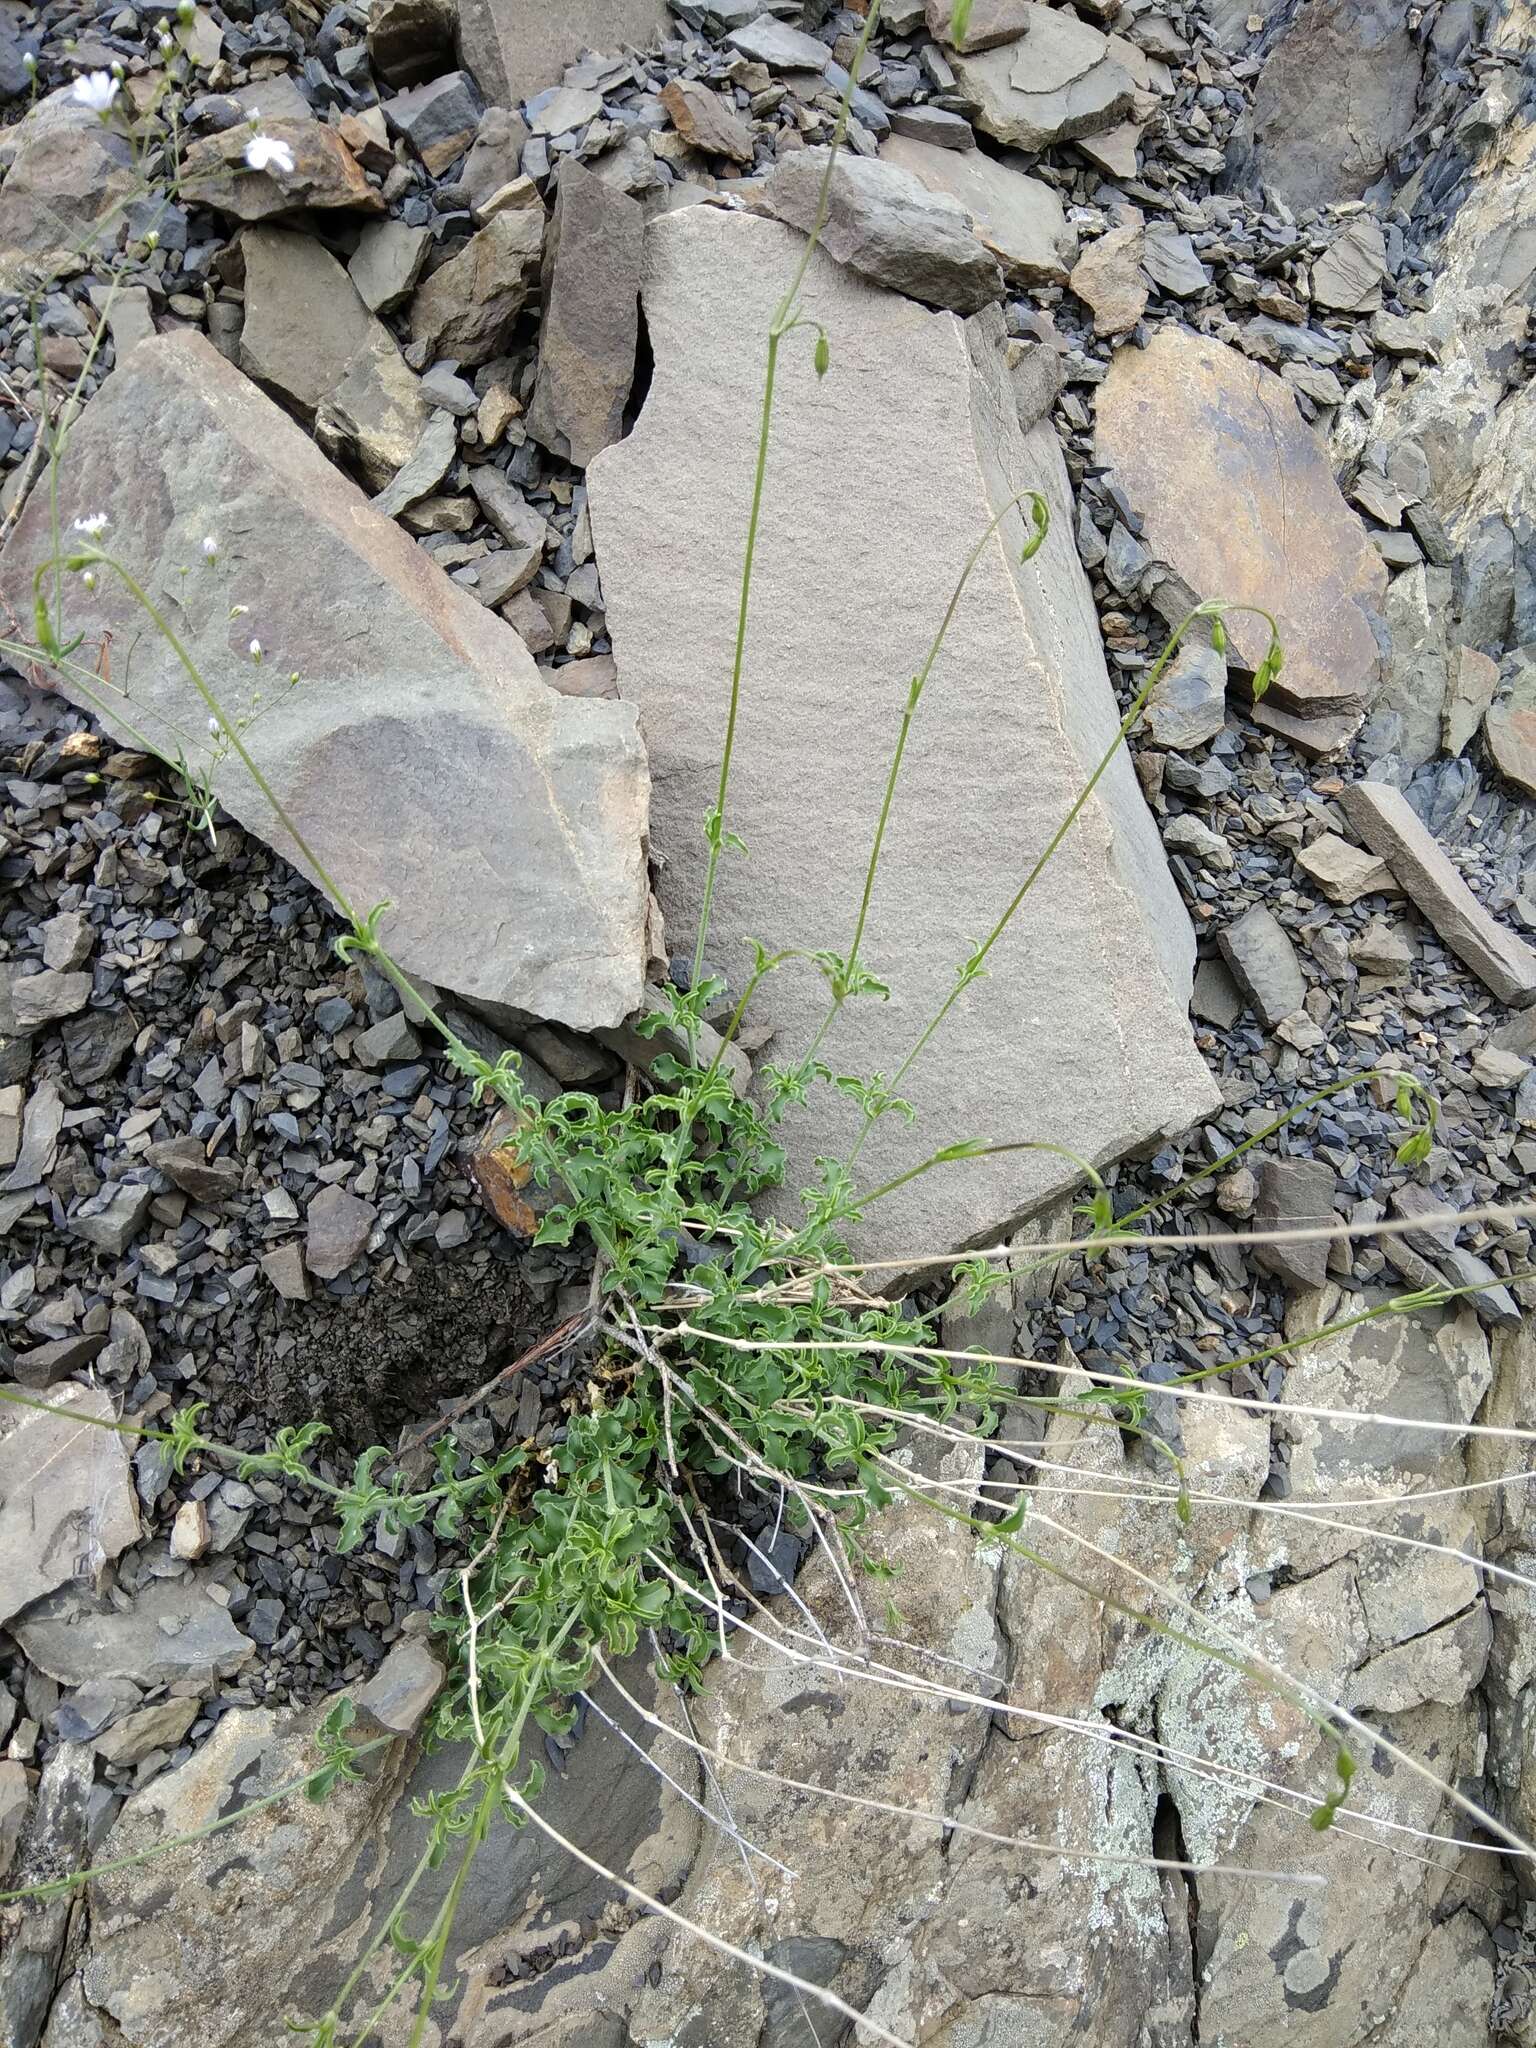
1389 825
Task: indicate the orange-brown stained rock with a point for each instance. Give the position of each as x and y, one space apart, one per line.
325 173
1238 499
507 1189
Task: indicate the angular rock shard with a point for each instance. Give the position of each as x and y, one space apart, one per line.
67 1504
1080 1033
1240 503
1390 827
516 48
1019 218
325 175
1060 82
425 761
591 316
885 224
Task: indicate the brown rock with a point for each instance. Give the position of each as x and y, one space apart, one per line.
185 1163
591 316
1342 871
1389 825
466 309
68 174
1473 681
706 121
410 40
507 1188
1239 500
284 1267
1107 278
326 177
337 1229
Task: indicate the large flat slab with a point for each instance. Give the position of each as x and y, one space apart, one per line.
883 477
1239 501
516 48
424 757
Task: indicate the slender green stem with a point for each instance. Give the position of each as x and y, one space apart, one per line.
782 323
972 967
951 1155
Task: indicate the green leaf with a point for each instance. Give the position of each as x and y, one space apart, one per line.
959 22
823 356
1040 518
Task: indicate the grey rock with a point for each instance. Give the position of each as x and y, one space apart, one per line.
885 224
403 1688
338 1227
137 1735
1264 964
1343 872
591 316
1061 82
934 125
1390 827
814 667
172 1630
707 122
387 262
15 1805
66 1496
284 1266
1336 96
96 1043
779 46
1107 277
466 309
1295 1194
57 1841
1412 702
42 999
409 40
112 1218
68 176
1238 499
496 157
41 1122
1348 276
518 47
1169 259
565 111
1018 218
438 119
434 454
991 22
1472 682
309 339
1188 706
415 700
68 940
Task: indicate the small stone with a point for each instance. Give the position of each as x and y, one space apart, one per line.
190 1532
1473 680
591 316
1107 278
136 1736
1382 949
386 263
936 125
112 1218
780 47
1264 964
991 23
338 1227
1492 1068
285 1268
1169 259
1060 82
466 310
1018 218
326 176
706 121
67 1503
404 1686
885 224
41 999
1237 1192
563 111
1295 1194
1348 277
1343 872
1190 835
1188 705
96 1043
185 1163
438 119
67 940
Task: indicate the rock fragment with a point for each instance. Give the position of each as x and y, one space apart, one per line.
515 48
1343 872
1264 965
466 309
1059 82
886 225
338 1229
415 702
1240 503
591 316
706 121
1391 828
1018 218
67 1504
326 177
1295 1194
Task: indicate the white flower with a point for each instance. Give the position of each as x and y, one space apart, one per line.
265 153
94 527
210 547
255 650
213 727
97 90
29 63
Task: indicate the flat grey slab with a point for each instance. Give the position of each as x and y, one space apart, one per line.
426 761
883 477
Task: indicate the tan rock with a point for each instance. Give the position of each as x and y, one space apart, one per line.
1060 82
1510 730
1239 501
517 48
1343 872
420 713
992 22
707 121
1095 981
1107 278
1019 218
1474 678
326 177
591 316
466 309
